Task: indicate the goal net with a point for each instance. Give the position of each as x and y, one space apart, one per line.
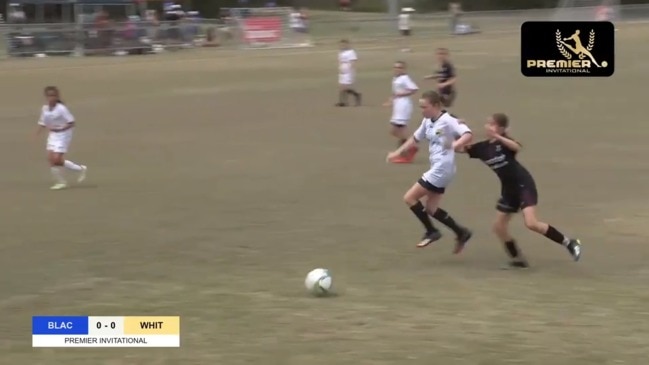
270 28
587 10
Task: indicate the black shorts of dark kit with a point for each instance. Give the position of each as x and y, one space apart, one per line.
405 32
448 97
514 199
430 187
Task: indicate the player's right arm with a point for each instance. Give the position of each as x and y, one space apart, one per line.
41 123
411 142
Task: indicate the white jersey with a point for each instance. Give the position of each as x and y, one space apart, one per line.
441 134
402 106
404 21
57 117
346 61
295 20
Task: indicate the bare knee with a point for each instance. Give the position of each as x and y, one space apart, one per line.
56 159
410 199
533 224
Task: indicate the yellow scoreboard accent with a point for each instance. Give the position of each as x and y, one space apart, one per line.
105 331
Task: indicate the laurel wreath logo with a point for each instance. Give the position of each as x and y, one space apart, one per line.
591 43
560 46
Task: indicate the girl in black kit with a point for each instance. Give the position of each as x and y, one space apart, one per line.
518 190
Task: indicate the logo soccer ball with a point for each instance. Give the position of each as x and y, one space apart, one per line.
318 282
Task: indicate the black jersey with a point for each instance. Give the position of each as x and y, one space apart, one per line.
502 161
445 73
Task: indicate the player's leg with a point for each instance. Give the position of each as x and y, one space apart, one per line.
352 91
435 181
56 161
61 147
412 198
399 130
462 234
342 94
508 205
529 201
532 223
448 98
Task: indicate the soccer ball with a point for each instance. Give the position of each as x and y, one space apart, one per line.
318 282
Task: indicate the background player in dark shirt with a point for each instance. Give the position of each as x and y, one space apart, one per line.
518 190
446 77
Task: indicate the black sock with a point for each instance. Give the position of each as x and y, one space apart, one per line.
556 236
512 249
420 212
444 218
342 97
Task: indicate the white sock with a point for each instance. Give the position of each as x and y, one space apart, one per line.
72 166
57 174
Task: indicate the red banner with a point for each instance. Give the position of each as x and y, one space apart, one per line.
262 29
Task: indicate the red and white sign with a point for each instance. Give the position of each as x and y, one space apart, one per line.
262 29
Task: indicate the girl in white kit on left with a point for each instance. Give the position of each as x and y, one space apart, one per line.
57 119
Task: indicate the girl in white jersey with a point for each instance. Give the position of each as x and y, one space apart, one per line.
402 89
347 74
57 119
445 134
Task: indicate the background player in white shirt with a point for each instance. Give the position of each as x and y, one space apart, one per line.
347 74
402 89
445 134
404 27
57 119
297 22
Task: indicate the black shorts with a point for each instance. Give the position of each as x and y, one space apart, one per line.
405 32
448 97
430 187
516 198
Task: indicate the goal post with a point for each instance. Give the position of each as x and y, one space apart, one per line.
587 10
269 28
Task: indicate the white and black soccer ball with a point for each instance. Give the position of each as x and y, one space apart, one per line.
319 282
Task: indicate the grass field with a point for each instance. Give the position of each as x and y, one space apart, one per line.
219 179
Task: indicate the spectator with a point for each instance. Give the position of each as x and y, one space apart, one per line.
455 11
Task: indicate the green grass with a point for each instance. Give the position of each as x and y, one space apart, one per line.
218 179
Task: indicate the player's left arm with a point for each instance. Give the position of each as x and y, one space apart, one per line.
509 143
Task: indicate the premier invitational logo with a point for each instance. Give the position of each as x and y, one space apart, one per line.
560 49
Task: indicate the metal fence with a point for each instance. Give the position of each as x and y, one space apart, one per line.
324 27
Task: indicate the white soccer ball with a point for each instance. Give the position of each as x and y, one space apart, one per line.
318 282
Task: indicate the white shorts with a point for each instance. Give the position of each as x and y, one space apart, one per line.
59 142
438 177
401 113
346 79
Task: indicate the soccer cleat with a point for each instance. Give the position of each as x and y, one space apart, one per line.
82 173
401 159
462 240
429 238
59 186
574 247
514 264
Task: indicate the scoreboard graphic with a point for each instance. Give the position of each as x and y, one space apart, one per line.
89 331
